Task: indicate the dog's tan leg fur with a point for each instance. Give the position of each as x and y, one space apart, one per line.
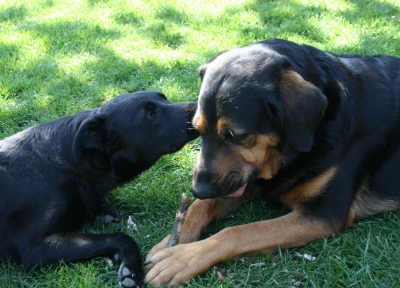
173 266
199 215
202 212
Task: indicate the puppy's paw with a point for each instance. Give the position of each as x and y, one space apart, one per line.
130 275
108 214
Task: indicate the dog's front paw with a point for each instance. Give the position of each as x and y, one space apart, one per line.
160 246
130 275
174 266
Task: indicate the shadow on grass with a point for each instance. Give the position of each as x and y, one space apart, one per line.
106 68
75 89
13 13
383 15
273 16
161 31
85 89
277 20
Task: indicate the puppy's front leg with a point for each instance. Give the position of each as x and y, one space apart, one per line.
176 265
71 247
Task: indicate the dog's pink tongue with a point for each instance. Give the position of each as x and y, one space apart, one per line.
238 192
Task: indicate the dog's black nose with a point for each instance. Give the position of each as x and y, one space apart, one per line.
202 186
203 194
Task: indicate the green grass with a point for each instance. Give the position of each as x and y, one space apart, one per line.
59 57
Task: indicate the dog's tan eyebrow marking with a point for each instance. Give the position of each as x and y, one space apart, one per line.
225 126
200 123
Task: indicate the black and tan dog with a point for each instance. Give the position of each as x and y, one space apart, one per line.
313 130
55 175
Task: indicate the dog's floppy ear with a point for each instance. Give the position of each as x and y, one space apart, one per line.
93 134
298 109
202 69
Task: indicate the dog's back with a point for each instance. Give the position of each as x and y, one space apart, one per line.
315 131
39 184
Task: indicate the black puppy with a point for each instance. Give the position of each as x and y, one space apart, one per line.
55 175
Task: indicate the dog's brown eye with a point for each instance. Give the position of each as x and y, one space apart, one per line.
237 139
152 114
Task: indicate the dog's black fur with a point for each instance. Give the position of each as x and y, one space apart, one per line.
315 131
55 175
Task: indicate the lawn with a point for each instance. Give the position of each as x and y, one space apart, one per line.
59 57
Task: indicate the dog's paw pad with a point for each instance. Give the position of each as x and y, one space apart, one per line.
108 214
128 282
107 219
128 278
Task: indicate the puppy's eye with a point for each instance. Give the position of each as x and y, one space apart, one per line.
150 110
151 114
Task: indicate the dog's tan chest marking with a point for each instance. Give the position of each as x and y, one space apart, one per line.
308 190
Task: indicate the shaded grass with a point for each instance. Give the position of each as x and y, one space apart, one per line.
59 57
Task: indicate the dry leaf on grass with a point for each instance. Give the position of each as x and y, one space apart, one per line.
306 256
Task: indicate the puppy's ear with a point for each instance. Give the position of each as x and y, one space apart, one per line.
298 109
93 134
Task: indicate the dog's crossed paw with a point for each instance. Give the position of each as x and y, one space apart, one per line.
130 277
